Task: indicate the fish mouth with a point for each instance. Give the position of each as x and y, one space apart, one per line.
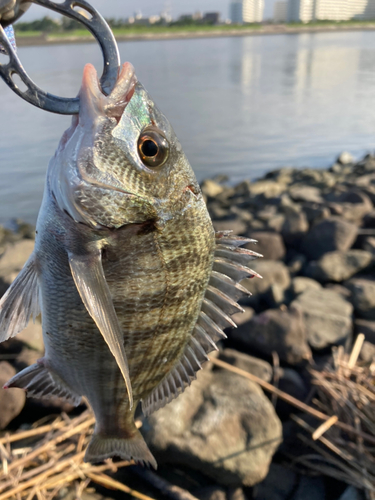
95 105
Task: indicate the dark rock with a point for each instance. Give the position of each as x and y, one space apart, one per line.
310 488
270 245
211 188
368 352
12 401
272 272
296 263
243 317
294 227
32 337
363 297
276 223
278 485
353 204
305 193
211 493
369 220
329 235
223 425
276 330
326 315
237 226
369 245
340 289
315 213
352 493
236 493
291 382
301 284
338 266
366 327
250 364
12 261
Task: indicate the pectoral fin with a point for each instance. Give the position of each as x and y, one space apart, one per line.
92 286
20 302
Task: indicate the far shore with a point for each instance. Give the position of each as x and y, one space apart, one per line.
271 29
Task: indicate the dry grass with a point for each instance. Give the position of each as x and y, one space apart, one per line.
39 462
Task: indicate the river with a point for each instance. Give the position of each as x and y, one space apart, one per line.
240 106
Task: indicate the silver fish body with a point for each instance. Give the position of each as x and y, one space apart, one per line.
132 282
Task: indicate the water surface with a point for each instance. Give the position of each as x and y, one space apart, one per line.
240 106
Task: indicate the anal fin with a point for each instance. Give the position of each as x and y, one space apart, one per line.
40 382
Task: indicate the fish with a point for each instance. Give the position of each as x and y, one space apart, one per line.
133 284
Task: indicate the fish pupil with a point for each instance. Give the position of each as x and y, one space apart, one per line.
149 148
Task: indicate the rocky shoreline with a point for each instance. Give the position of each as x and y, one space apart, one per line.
224 438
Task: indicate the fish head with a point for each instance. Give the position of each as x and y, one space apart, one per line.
120 162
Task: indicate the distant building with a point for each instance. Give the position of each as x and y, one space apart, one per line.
246 11
300 11
211 17
280 12
330 10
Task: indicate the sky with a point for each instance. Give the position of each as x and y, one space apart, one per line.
126 8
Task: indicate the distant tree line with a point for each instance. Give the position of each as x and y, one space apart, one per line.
49 25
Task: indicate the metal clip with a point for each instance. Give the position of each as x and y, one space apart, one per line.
96 24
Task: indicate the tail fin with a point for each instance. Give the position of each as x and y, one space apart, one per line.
134 448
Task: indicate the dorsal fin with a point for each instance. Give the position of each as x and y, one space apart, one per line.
220 301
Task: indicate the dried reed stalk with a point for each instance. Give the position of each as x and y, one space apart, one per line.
345 399
39 462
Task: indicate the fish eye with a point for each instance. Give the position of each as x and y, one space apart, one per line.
153 147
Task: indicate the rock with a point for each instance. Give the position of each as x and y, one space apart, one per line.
310 488
338 266
276 223
291 382
267 188
12 401
300 284
211 493
250 364
272 272
363 297
366 327
26 357
326 315
236 494
12 261
315 213
352 493
243 317
368 352
353 204
237 226
278 485
296 263
276 330
223 425
294 227
211 188
329 235
270 245
369 245
345 158
305 193
340 289
32 336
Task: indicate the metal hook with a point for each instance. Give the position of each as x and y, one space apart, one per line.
49 102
